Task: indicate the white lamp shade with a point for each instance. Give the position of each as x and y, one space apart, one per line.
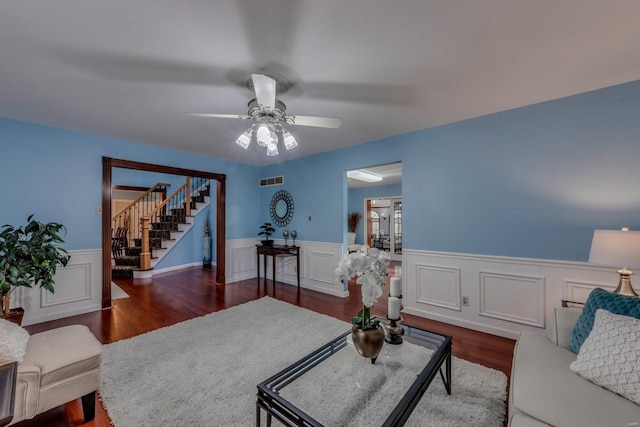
244 140
615 248
265 135
272 148
289 141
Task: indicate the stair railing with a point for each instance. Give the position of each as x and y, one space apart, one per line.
179 199
129 217
198 184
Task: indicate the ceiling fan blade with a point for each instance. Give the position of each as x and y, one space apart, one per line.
265 88
219 116
321 122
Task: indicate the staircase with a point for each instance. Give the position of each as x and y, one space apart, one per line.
165 230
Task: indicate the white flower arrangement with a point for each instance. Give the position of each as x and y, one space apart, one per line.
371 266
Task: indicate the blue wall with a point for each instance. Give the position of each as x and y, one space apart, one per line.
57 174
531 182
356 198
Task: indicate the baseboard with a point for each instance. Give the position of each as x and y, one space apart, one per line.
60 315
148 274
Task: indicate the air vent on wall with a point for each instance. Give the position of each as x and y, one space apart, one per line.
275 180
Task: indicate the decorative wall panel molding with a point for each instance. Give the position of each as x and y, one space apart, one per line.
240 259
438 286
506 295
579 291
321 266
79 274
78 290
498 291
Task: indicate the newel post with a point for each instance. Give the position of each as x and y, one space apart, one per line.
145 255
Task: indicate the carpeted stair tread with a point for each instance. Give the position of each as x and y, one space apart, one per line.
159 232
133 251
122 272
127 260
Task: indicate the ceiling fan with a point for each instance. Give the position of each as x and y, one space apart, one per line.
269 114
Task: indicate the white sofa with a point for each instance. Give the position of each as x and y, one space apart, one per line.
544 391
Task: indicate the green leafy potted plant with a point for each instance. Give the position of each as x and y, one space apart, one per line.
371 266
267 230
29 255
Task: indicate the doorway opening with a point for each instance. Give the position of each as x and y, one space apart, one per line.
384 225
375 192
107 177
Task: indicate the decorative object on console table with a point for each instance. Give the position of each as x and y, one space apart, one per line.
294 234
206 246
29 255
285 234
267 230
371 267
617 248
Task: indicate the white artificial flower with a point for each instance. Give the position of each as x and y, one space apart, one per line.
371 267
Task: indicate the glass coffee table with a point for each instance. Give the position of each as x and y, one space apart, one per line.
334 385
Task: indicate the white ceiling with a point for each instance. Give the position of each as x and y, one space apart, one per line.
132 69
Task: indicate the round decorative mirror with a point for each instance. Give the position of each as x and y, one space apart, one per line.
281 208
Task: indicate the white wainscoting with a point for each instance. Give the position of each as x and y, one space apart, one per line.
78 290
318 262
506 295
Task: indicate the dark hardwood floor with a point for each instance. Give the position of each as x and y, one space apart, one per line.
182 295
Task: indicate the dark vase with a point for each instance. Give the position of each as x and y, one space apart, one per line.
206 251
369 342
266 242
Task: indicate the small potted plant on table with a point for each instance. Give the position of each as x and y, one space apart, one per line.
29 255
267 230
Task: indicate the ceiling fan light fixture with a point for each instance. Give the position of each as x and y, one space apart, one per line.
245 139
269 113
289 141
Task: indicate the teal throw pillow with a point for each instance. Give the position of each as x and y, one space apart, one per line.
599 298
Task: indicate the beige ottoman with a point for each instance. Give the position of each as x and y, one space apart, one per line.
59 366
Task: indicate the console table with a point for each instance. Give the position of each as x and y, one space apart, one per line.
275 251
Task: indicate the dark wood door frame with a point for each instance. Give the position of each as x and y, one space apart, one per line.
108 164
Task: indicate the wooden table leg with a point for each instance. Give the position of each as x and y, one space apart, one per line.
298 268
273 272
265 268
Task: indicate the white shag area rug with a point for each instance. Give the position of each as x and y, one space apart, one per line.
204 372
